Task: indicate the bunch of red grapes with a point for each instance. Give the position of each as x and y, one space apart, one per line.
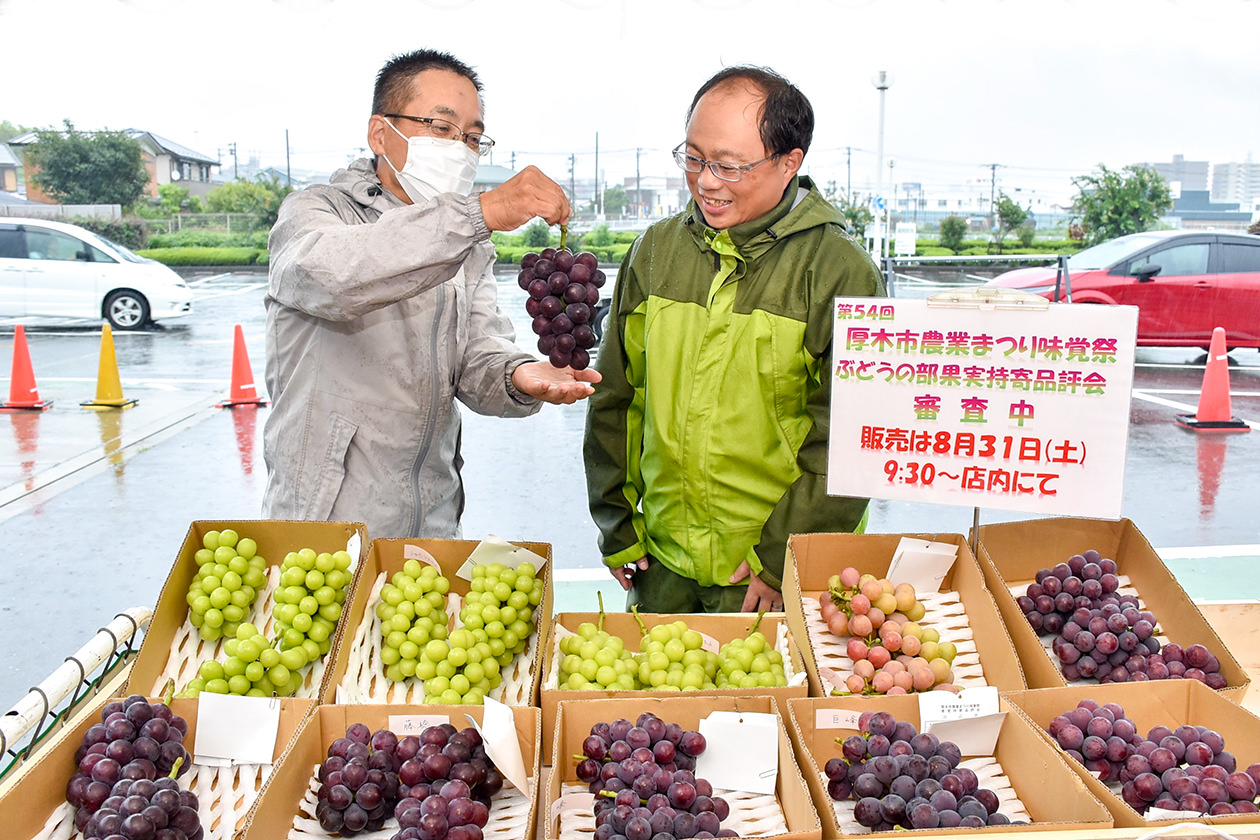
563 292
124 764
900 778
1103 635
437 784
1182 769
642 775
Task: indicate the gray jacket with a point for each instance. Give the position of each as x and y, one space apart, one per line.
379 316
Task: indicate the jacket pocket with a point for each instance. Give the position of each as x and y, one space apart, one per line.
332 469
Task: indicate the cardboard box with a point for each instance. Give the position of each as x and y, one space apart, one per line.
172 647
387 557
813 558
575 719
1053 795
278 805
1011 553
1158 702
40 790
721 627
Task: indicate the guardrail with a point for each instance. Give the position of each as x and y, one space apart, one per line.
73 684
1063 280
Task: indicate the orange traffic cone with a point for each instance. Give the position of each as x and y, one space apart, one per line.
23 395
108 386
243 390
1215 413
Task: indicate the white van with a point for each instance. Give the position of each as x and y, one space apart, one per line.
54 269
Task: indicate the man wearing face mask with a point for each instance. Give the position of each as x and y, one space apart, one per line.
382 312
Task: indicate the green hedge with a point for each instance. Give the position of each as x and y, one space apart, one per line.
208 239
606 253
130 232
207 256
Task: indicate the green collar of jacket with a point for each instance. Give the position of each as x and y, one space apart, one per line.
802 206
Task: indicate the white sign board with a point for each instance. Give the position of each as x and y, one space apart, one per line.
1013 409
905 234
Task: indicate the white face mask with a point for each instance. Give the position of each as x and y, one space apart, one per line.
434 167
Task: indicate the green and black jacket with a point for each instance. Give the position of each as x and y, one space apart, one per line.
706 442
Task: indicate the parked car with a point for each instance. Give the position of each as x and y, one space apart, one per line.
1184 283
54 269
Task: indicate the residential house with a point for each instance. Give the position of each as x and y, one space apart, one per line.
8 170
167 162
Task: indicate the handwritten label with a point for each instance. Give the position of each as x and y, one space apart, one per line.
708 643
415 552
415 724
836 718
572 802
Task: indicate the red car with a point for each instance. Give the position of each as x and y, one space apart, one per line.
1184 283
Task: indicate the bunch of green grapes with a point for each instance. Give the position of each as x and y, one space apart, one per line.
230 574
308 601
595 659
672 658
252 667
497 620
750 662
412 611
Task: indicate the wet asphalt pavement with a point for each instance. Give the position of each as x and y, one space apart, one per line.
94 505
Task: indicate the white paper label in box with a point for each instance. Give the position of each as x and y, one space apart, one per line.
236 730
497 550
970 718
974 736
415 552
354 546
742 751
1152 814
921 563
498 733
836 718
833 679
572 802
404 725
709 643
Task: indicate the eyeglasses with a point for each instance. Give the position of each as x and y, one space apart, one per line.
447 130
720 169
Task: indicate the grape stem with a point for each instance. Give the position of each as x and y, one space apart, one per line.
175 767
564 236
756 623
600 597
643 631
168 691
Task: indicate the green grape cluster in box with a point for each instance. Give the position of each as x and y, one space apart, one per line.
715 630
173 648
364 667
1012 553
1033 784
963 612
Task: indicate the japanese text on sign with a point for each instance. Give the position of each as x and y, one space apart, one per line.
1015 409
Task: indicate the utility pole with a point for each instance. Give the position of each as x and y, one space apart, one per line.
638 195
235 170
992 188
572 180
513 162
848 167
881 80
598 201
288 172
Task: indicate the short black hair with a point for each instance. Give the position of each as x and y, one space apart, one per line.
787 118
394 82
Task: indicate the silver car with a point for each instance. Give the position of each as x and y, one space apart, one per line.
58 270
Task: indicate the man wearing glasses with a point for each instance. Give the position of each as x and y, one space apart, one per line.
706 444
382 312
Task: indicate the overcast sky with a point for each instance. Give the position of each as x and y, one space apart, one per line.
1047 89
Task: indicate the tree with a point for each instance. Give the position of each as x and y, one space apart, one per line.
538 234
615 200
1116 202
1255 228
953 229
856 210
260 198
10 130
175 199
75 167
1010 216
599 235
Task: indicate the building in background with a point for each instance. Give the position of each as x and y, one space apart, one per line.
9 164
1183 174
1195 210
1238 182
167 162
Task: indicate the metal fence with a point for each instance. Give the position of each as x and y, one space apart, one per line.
36 210
215 222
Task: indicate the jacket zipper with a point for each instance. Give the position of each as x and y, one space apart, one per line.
434 394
